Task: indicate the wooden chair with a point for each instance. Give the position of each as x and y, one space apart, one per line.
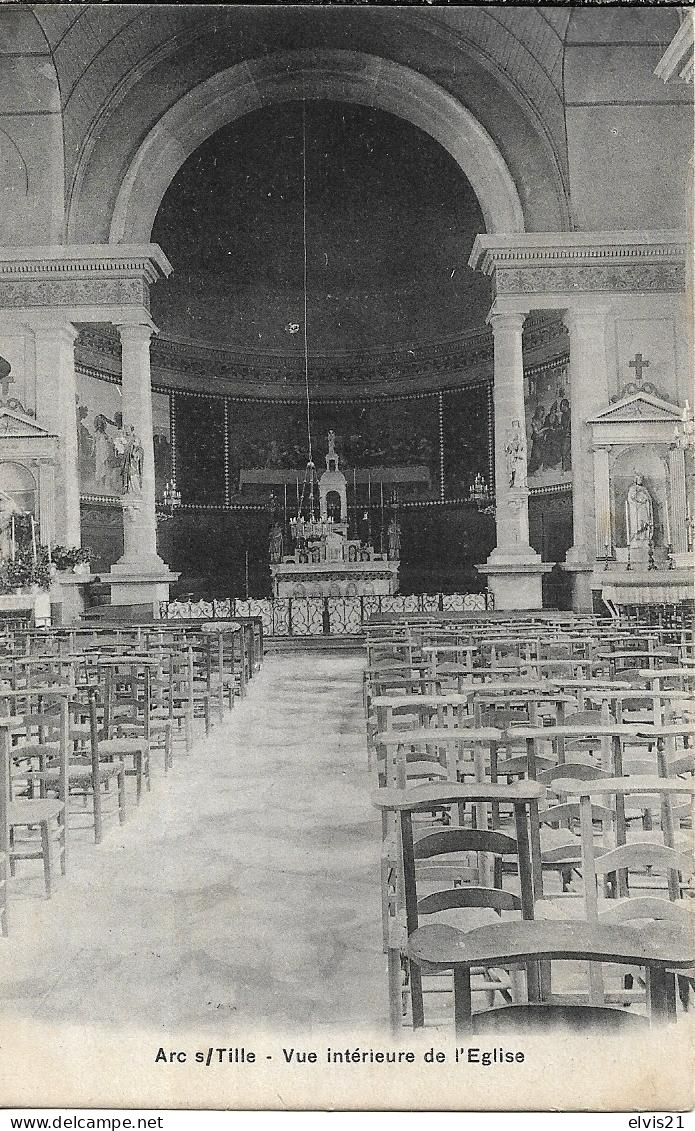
25 815
89 775
659 950
124 731
425 798
453 879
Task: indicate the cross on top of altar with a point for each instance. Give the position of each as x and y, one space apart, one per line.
639 364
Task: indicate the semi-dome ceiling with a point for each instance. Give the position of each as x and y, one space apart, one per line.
390 224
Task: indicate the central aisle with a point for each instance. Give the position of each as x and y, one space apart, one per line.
244 892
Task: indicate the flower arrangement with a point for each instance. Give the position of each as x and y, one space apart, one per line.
26 571
67 557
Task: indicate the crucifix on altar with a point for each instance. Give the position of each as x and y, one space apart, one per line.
325 557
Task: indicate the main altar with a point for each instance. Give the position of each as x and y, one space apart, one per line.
326 558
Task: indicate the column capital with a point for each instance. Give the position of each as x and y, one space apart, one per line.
136 331
501 321
56 330
575 317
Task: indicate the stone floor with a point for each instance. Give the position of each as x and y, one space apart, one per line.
243 889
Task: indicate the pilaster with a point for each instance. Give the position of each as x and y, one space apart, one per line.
56 410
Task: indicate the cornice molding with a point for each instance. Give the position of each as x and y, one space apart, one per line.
85 259
88 276
551 262
410 369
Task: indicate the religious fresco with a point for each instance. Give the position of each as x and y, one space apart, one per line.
399 433
548 425
99 421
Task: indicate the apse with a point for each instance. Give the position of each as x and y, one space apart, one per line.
390 224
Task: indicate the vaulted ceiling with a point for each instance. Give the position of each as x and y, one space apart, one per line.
390 224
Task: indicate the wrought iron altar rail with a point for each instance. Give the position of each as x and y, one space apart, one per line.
322 616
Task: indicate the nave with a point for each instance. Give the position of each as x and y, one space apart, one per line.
242 890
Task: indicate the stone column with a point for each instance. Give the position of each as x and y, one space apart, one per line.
514 570
588 395
678 504
139 518
56 410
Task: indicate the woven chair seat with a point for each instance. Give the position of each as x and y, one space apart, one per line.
32 812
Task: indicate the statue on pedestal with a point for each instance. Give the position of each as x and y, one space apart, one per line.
639 513
129 447
393 537
276 541
515 454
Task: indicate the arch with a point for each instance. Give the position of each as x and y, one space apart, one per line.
346 76
19 482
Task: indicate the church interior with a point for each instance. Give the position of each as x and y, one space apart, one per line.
347 506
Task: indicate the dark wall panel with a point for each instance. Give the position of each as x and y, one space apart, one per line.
466 426
200 449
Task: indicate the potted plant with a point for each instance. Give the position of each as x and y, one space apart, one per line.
75 558
27 572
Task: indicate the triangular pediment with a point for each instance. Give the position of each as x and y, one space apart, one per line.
16 425
638 406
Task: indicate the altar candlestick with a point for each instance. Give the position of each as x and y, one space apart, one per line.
369 501
354 501
284 508
33 539
381 529
297 496
12 546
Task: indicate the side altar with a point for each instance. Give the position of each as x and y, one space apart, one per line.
644 483
324 560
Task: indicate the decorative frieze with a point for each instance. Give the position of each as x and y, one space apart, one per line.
571 263
32 292
412 369
79 276
631 277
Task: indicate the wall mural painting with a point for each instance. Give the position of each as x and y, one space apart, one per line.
264 436
548 426
99 420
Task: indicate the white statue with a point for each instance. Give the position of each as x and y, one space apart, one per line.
639 513
515 453
331 442
128 446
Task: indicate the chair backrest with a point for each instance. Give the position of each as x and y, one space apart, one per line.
443 846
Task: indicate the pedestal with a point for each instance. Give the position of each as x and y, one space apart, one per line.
139 579
140 591
581 571
515 580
